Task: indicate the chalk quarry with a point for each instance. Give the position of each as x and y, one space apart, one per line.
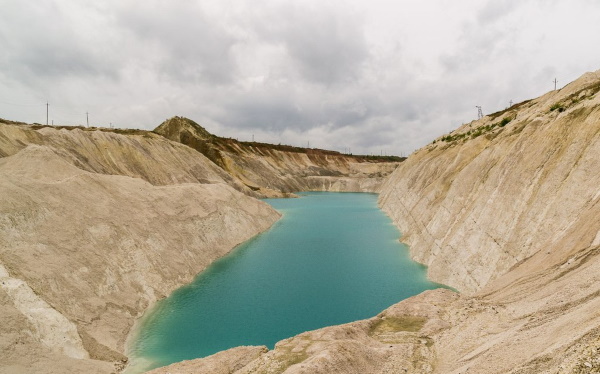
97 225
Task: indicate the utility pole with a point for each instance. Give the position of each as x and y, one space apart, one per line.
308 144
555 81
87 119
510 104
46 113
479 112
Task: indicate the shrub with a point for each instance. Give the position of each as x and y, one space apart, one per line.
505 121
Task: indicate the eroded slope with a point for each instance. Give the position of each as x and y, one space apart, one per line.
472 207
136 153
276 170
83 252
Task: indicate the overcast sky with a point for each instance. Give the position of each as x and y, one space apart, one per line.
372 76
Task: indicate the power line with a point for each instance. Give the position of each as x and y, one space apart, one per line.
65 114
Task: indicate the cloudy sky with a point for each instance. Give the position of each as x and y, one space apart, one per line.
372 76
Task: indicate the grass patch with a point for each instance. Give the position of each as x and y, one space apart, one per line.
290 359
472 134
588 92
393 324
286 358
501 112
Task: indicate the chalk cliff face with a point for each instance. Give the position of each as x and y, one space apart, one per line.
276 170
505 209
96 226
472 206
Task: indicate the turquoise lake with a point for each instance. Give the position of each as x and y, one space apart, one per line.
332 258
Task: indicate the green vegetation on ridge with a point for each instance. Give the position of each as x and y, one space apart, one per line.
474 133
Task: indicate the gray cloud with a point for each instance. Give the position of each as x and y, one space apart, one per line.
376 76
273 115
46 46
279 110
185 44
327 45
494 11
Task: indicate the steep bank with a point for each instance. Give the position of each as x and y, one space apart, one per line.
506 210
496 191
277 170
94 227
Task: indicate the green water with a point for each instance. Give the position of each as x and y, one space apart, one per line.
333 258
